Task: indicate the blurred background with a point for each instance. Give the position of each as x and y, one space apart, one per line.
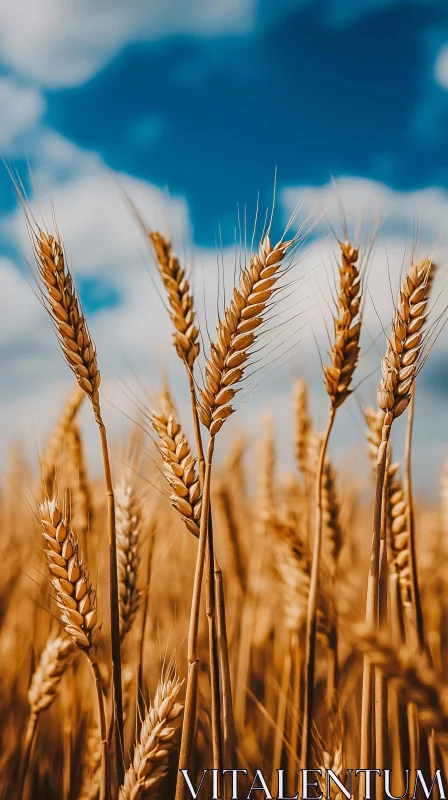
187 108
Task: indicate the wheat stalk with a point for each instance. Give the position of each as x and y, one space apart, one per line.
399 369
344 356
429 269
61 300
182 313
224 370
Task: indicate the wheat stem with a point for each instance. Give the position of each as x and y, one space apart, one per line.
228 723
211 564
311 621
372 600
193 661
105 777
114 604
140 682
415 591
281 714
30 734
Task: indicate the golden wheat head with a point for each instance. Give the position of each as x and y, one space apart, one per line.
404 346
64 307
180 299
238 331
76 599
347 328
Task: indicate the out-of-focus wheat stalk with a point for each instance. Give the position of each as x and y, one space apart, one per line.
54 447
44 688
76 601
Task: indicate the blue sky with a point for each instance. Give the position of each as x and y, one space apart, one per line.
315 95
202 100
318 88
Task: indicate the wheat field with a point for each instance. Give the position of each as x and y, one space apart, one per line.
183 612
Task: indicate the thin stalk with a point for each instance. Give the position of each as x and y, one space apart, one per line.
196 424
67 752
114 607
105 777
295 713
30 734
140 687
228 725
414 737
372 601
415 592
210 609
210 566
186 745
311 620
381 696
247 623
333 668
281 715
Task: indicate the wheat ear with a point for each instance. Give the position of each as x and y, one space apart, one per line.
76 601
180 464
128 522
54 447
63 305
302 426
344 356
180 299
399 369
78 483
44 689
158 738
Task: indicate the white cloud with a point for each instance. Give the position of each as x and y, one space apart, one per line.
65 42
422 213
21 108
441 68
